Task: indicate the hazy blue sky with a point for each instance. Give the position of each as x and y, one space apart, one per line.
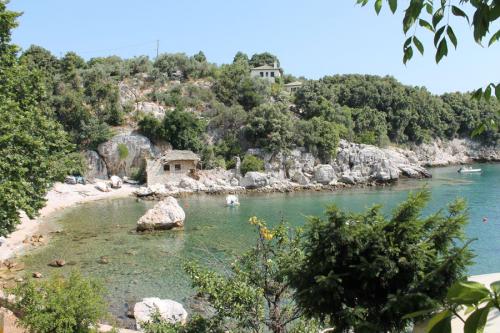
311 37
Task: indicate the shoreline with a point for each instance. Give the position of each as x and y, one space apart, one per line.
61 196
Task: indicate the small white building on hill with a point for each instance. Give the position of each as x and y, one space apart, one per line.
172 165
266 72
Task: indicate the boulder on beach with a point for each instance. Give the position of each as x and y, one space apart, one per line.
102 186
116 182
165 215
170 311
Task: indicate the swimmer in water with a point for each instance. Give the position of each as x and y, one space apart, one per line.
485 219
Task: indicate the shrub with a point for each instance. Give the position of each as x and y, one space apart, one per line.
366 271
251 163
122 151
60 305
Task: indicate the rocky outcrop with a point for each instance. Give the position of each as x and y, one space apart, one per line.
138 148
324 174
116 182
152 109
165 215
457 151
254 180
170 311
95 166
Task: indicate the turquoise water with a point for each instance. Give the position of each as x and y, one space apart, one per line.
151 264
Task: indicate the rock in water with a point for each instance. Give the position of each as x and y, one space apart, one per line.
165 215
116 182
169 311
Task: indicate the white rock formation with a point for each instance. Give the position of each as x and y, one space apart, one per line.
165 215
116 182
324 174
102 186
170 311
96 168
254 180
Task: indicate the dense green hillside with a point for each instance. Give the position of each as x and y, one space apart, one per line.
233 111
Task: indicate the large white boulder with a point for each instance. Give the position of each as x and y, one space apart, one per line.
116 182
170 311
254 179
165 215
138 149
324 174
102 186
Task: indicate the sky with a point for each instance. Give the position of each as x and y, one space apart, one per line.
312 38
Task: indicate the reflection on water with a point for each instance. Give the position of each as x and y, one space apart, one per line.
142 265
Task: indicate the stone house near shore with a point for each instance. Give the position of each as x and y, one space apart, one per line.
171 166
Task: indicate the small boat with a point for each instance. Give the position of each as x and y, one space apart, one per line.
468 170
232 200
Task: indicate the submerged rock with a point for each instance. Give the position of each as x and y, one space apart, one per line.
170 311
165 215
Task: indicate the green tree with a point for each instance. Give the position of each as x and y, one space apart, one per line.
34 150
261 59
60 305
251 163
240 56
319 136
183 130
365 272
270 127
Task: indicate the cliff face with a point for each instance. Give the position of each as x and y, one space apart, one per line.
457 151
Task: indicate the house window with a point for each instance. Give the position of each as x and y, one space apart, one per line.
272 74
166 167
261 74
177 167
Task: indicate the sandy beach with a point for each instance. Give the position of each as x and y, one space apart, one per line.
59 197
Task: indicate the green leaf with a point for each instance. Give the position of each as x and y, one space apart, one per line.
476 322
440 323
458 12
494 38
487 93
418 44
417 314
378 6
437 17
477 94
362 2
478 130
429 8
497 94
495 286
438 35
425 24
393 4
408 54
442 50
452 36
412 12
467 292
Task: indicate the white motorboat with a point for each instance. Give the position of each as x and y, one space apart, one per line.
468 170
232 200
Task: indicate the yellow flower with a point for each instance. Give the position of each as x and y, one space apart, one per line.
266 233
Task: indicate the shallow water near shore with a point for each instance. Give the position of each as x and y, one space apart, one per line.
150 265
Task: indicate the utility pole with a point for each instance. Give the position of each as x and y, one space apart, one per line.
157 47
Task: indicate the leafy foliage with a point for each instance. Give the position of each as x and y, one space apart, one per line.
251 163
34 149
255 294
436 17
60 305
366 272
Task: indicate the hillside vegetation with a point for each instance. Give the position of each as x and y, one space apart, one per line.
220 111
